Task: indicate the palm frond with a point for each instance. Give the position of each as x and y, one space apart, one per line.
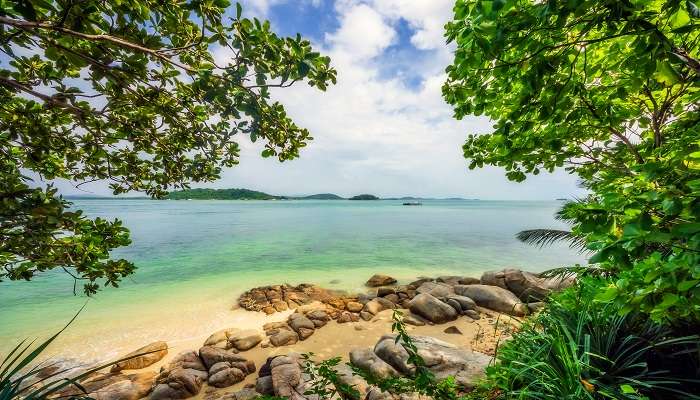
545 237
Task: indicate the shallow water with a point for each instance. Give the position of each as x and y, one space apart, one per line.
195 257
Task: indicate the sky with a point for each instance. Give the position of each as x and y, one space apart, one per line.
384 127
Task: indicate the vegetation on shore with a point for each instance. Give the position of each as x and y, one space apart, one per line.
241 194
364 197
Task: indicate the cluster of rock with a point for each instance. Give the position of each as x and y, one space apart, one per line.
284 376
429 301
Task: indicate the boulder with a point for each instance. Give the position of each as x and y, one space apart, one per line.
143 357
380 280
211 355
283 338
473 314
286 376
354 306
347 316
298 321
245 340
386 303
436 289
347 377
393 298
263 385
367 360
452 330
442 358
182 378
243 394
384 291
494 298
220 338
305 333
432 309
225 374
415 320
366 315
465 303
135 386
527 286
415 284
373 307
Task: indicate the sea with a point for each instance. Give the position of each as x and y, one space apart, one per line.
195 258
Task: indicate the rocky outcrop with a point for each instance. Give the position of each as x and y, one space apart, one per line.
380 280
494 298
527 286
143 357
389 358
436 289
432 309
111 386
281 376
274 298
182 378
237 339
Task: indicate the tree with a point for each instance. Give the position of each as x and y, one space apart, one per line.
608 90
148 95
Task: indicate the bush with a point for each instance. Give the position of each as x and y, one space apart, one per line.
579 348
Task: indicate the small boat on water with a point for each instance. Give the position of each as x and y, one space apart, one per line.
412 204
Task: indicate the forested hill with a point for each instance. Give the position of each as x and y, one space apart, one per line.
241 194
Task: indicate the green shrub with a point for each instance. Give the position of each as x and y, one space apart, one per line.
579 348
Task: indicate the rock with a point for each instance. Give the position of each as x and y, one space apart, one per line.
366 315
211 355
284 338
473 314
465 303
369 361
286 377
305 333
336 302
143 357
273 326
280 306
347 316
494 278
384 291
442 358
299 321
243 394
263 385
373 307
393 298
269 310
225 374
436 289
469 281
318 314
360 327
182 378
415 284
432 309
354 306
413 319
245 340
363 298
220 338
386 304
536 306
454 304
380 280
133 387
347 377
453 330
450 280
494 298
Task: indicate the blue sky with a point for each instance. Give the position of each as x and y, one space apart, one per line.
383 128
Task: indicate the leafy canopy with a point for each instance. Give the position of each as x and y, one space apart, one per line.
148 95
609 90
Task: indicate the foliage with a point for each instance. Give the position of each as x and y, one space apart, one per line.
220 194
147 95
608 90
583 349
325 382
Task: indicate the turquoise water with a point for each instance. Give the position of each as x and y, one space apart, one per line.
195 257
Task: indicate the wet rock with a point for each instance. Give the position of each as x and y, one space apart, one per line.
143 357
393 298
373 307
380 280
369 361
494 298
415 284
182 378
432 309
384 291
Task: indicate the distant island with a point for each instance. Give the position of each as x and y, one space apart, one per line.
364 197
247 194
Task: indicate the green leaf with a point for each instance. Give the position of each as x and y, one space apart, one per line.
679 18
669 299
666 74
